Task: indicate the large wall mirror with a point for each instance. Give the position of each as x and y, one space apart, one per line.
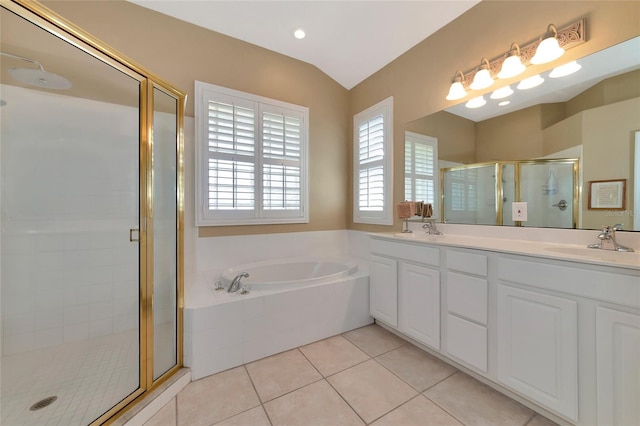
591 116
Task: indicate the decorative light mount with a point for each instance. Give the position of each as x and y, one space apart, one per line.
567 37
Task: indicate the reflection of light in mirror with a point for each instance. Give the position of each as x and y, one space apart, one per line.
531 82
476 102
503 103
564 70
299 33
502 92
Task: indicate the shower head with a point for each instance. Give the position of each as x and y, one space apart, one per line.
37 77
40 78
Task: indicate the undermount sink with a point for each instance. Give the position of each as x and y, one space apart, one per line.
418 235
596 254
405 234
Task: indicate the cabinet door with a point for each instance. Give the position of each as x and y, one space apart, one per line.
420 304
383 289
618 367
537 348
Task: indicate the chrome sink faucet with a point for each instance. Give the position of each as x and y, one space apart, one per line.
431 228
608 239
235 284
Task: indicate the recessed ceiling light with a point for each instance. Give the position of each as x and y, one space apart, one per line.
503 103
299 33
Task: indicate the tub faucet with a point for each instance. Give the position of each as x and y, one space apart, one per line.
235 284
608 239
430 226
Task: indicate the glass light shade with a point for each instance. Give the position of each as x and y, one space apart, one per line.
531 82
476 102
564 70
548 50
481 80
456 91
511 67
502 92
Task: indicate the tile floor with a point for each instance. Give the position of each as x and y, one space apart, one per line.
365 376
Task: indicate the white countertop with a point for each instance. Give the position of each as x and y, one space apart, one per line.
570 252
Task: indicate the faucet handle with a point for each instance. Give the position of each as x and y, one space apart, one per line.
617 227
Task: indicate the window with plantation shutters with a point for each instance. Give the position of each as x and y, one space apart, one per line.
373 153
421 172
252 159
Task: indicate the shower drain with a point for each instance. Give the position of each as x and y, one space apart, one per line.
43 403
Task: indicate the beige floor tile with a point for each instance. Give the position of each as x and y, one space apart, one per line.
314 405
254 417
371 389
216 398
416 367
474 403
539 420
415 413
276 375
333 355
166 416
374 339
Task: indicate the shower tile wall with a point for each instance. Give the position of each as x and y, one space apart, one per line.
69 271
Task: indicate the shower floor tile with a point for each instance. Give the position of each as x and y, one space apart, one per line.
87 378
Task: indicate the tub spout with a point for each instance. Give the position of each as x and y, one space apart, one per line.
235 284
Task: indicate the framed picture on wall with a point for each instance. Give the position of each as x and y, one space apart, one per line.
607 194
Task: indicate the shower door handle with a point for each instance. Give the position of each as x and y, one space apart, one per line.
134 235
562 205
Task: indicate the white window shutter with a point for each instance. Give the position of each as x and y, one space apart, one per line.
373 154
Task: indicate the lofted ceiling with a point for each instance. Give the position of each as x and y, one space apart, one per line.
347 40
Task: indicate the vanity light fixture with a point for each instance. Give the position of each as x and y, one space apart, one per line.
483 78
564 70
531 82
502 92
549 49
299 33
512 66
456 91
476 102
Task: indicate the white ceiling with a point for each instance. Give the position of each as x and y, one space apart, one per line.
347 40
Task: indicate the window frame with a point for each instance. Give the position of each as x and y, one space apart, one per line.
384 216
205 92
417 138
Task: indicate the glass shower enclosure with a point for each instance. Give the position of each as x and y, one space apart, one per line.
483 193
91 224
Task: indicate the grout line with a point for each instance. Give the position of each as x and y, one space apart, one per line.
346 402
436 384
440 406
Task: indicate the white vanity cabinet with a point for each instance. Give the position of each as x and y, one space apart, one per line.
419 288
537 347
561 334
405 289
383 289
467 290
618 367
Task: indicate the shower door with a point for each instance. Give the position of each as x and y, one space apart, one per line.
91 219
549 188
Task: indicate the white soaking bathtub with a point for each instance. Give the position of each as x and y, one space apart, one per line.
290 273
292 302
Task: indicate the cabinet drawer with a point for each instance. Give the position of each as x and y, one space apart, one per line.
467 342
471 263
618 288
407 251
467 296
